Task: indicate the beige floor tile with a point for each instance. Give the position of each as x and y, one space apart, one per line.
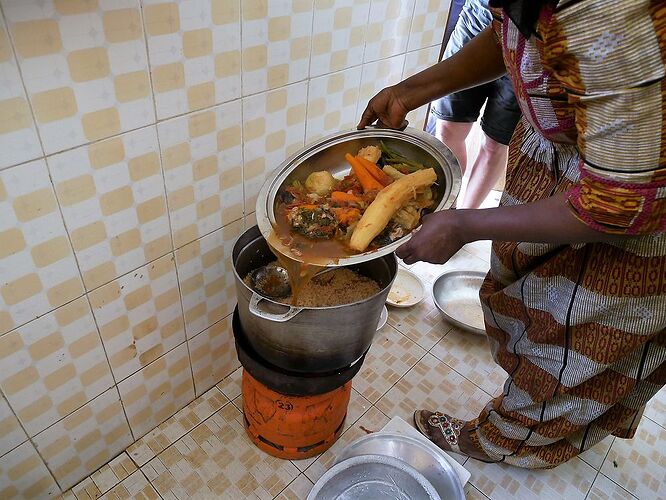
480 249
231 384
105 478
85 490
297 490
639 464
471 493
656 408
423 323
469 355
572 479
464 260
177 426
605 489
390 357
216 459
372 421
433 385
135 486
595 456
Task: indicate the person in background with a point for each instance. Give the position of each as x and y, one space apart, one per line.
575 301
456 113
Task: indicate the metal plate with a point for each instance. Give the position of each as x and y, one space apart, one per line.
371 477
329 154
433 465
456 295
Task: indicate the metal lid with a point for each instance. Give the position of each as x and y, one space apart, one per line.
328 154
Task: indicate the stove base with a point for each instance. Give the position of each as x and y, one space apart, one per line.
293 427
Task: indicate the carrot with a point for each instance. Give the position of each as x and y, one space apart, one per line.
342 197
375 171
347 215
308 206
368 182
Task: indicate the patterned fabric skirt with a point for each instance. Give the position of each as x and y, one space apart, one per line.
580 329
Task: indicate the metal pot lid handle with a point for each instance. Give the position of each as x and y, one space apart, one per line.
279 318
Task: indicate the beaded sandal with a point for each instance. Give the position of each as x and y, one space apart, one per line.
430 424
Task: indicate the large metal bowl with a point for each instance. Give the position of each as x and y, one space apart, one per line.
424 456
373 477
329 154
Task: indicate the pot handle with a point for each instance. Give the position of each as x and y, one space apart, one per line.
279 318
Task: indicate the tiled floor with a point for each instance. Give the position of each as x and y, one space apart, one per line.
417 360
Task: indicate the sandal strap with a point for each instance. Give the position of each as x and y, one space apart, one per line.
449 427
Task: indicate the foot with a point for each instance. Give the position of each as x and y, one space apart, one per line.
449 433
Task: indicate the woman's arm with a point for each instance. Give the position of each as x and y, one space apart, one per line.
478 62
547 221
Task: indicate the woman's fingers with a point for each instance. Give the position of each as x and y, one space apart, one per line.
367 118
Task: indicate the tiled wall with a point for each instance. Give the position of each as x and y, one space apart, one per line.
134 139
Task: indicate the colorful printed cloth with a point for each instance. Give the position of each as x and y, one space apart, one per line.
581 329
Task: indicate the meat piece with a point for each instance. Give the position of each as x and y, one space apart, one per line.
313 222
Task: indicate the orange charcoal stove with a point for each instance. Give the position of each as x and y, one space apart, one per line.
291 415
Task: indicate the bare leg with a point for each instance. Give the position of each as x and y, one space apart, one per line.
453 134
488 168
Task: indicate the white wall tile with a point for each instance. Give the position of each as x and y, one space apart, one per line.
85 440
53 365
37 264
276 41
202 157
85 67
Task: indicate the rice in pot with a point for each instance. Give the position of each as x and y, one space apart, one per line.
338 287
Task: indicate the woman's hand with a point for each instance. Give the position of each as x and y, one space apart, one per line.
439 238
388 107
550 220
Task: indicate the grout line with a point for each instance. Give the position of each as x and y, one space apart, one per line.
10 38
181 115
309 77
181 437
90 311
242 114
411 26
409 36
168 210
140 470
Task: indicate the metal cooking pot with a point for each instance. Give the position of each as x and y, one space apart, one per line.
329 154
309 339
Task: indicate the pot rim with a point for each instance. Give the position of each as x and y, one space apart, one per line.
451 170
367 299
